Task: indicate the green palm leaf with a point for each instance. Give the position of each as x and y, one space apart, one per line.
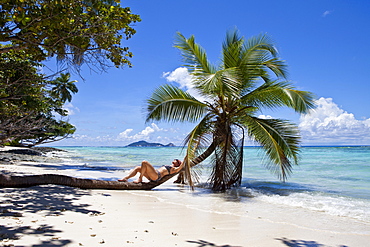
260 42
231 49
300 101
195 141
194 56
279 139
173 104
223 83
258 58
273 94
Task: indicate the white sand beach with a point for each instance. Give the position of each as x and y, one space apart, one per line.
62 216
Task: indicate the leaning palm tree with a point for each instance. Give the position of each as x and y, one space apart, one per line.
249 78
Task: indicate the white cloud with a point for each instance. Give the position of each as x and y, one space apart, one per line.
327 12
182 76
86 140
329 124
125 134
71 109
148 130
145 134
151 133
265 117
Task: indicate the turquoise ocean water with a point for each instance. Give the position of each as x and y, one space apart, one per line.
333 180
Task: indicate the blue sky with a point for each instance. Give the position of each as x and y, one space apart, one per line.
325 44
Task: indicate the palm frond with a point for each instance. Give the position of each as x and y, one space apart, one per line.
277 66
223 83
260 42
280 140
198 134
196 141
259 57
231 49
273 94
170 103
300 101
194 56
269 95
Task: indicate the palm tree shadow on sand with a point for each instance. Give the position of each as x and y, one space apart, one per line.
50 201
302 243
287 242
204 243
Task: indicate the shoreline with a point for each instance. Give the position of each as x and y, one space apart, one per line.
167 216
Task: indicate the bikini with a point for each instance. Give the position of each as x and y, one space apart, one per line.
168 168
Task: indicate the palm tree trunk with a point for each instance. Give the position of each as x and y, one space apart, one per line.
181 178
219 176
205 154
236 178
7 181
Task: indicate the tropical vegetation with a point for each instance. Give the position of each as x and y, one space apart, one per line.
31 105
249 78
76 32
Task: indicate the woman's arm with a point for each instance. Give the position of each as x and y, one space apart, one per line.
178 169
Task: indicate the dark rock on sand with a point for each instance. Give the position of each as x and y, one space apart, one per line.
36 154
23 151
45 150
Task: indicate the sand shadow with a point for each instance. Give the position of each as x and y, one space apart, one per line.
49 200
301 243
9 233
204 243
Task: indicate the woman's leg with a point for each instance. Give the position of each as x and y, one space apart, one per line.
132 173
148 171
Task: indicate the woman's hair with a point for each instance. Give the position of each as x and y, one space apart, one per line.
179 162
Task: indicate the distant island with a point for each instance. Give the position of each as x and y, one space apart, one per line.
148 144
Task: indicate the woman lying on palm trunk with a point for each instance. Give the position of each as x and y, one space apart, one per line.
147 170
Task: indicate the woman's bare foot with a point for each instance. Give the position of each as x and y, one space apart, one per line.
122 180
138 181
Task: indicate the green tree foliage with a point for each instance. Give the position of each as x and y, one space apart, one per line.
250 77
30 105
75 31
